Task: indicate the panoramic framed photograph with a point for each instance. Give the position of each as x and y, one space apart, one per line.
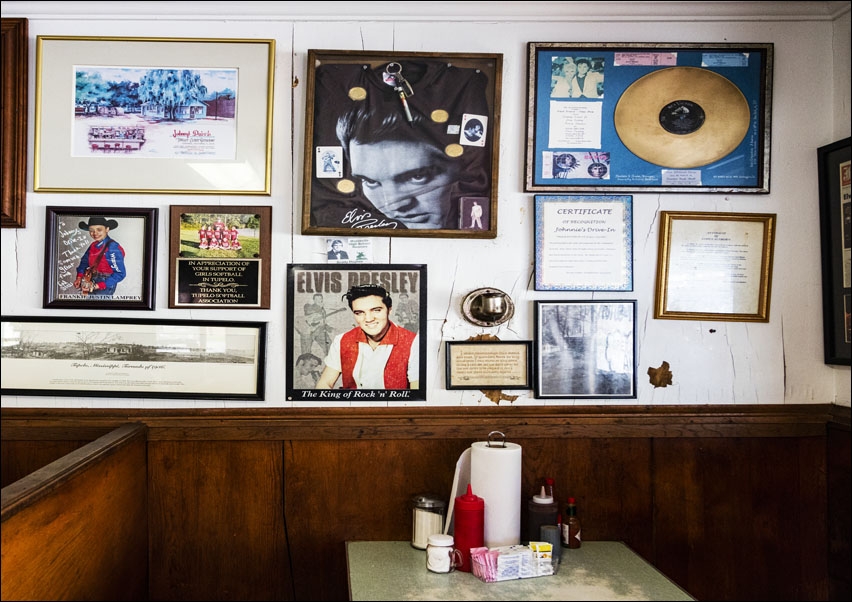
219 256
585 349
402 144
121 357
153 115
489 364
835 211
100 258
584 243
356 332
714 266
14 115
614 117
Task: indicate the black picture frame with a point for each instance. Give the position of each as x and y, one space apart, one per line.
585 349
352 102
487 365
66 242
835 210
317 312
124 357
665 117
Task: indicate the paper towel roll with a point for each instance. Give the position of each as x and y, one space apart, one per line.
495 476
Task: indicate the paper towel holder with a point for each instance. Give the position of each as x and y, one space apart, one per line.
502 439
487 307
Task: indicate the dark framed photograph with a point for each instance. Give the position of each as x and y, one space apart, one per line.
14 132
402 144
715 266
153 115
489 364
583 243
835 211
219 256
100 258
120 357
356 333
663 117
585 349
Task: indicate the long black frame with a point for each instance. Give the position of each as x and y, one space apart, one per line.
332 281
835 210
60 263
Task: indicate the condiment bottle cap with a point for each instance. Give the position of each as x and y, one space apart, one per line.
439 539
469 501
543 498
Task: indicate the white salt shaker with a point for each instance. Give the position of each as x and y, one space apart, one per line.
441 557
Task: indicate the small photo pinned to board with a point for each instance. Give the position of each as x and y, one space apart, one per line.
329 162
474 128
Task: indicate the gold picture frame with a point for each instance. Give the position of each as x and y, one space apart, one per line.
714 266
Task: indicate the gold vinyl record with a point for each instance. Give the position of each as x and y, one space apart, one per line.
682 117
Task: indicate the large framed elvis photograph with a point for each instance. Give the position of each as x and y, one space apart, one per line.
714 266
583 243
489 364
402 144
835 210
121 357
153 115
100 258
663 117
14 115
585 349
356 333
219 256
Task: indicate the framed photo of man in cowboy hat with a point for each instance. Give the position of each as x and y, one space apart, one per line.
100 258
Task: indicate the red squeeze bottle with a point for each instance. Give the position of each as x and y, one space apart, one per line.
468 525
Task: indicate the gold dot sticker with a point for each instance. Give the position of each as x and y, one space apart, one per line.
454 150
346 186
440 116
357 93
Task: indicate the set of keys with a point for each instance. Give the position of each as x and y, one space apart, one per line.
393 77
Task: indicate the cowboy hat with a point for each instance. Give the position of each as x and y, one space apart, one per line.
99 221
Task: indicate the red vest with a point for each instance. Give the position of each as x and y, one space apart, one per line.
396 370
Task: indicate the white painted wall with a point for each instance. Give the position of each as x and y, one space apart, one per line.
712 362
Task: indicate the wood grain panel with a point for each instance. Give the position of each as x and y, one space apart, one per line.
77 528
20 458
217 522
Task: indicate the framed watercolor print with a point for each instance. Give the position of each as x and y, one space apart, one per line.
219 256
153 115
100 258
664 117
356 332
835 210
585 349
121 357
14 131
714 266
401 144
489 364
583 243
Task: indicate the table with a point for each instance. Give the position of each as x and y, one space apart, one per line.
599 570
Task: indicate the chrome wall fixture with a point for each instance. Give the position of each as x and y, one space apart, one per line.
487 307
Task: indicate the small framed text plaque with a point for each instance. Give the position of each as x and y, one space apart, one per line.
489 364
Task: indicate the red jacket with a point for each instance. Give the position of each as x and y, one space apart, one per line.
396 370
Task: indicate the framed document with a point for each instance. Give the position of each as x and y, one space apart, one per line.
401 144
356 332
220 256
835 210
666 117
714 266
489 364
100 258
118 357
585 349
153 115
583 243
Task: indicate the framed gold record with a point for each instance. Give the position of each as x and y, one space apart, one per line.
671 117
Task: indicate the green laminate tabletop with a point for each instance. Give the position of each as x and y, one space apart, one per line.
599 570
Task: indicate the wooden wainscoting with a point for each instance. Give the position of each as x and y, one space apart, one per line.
728 501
